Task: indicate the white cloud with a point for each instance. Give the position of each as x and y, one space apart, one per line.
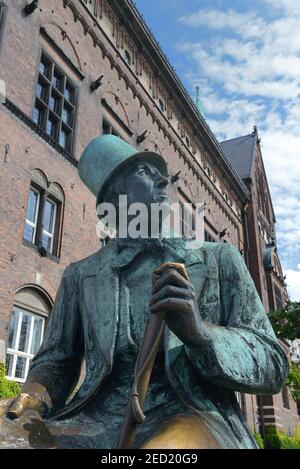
290 7
250 75
293 282
218 20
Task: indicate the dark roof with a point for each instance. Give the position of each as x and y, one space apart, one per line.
240 152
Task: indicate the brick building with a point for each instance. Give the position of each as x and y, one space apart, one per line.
74 69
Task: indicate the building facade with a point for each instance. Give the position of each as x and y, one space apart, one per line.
264 264
75 69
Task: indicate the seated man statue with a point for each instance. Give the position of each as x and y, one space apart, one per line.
217 338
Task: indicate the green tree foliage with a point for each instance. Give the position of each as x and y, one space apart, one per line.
293 381
276 439
7 388
259 440
286 322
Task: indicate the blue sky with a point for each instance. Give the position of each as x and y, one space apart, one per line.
245 56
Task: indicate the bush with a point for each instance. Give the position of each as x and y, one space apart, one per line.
276 439
259 440
7 388
272 438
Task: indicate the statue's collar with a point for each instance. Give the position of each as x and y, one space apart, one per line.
177 249
120 253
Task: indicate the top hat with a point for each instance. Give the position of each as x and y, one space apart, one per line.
106 156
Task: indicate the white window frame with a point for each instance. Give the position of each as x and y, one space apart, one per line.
34 224
29 222
16 353
51 235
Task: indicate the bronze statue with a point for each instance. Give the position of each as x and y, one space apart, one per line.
217 338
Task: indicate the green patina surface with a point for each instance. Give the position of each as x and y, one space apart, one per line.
100 313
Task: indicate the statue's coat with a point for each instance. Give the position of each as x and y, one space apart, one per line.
243 355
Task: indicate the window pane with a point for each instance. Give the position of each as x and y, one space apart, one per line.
29 233
13 329
20 368
49 216
24 333
127 57
37 335
57 79
9 364
30 333
64 139
32 205
54 104
38 116
67 116
45 67
41 91
106 129
51 127
69 93
114 132
46 242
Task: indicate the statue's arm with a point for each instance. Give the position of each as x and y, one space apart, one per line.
55 369
243 355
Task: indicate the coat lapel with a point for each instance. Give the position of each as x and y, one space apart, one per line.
100 302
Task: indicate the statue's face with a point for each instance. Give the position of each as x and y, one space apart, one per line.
145 184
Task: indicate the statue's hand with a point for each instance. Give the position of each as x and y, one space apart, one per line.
22 403
174 299
21 424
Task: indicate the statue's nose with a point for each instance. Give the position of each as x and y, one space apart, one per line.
162 181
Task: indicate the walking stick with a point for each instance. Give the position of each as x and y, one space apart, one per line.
143 369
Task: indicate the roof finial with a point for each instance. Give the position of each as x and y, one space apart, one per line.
254 130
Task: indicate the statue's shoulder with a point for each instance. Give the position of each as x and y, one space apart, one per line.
220 251
204 247
82 266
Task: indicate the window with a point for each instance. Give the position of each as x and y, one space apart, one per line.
161 105
25 336
285 397
42 220
32 306
278 297
55 103
187 218
108 129
32 216
209 238
127 57
2 17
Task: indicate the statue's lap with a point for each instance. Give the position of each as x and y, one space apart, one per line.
182 432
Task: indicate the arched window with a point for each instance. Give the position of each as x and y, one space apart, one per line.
161 105
44 214
127 57
26 330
